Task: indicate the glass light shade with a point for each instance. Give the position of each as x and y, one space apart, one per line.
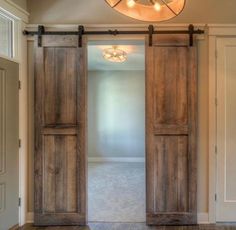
115 55
137 9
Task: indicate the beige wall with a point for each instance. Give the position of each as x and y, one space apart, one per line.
21 3
97 11
202 127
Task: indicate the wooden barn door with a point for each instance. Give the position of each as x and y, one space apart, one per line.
171 109
60 131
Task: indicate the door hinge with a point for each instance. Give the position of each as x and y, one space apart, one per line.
19 143
216 54
19 202
215 149
216 101
215 197
19 84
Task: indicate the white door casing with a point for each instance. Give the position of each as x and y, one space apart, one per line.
226 130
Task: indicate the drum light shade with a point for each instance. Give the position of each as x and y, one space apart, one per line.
114 54
148 10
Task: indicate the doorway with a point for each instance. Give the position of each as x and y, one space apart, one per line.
116 133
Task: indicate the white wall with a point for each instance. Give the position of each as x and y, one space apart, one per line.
116 114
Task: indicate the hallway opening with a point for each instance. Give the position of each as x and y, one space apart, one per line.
116 133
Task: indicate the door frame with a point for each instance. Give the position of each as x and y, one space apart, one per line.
132 38
215 32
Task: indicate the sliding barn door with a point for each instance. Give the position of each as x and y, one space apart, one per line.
171 132
60 131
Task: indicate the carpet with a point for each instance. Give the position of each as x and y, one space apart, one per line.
116 192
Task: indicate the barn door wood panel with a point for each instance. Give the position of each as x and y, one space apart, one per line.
60 132
171 94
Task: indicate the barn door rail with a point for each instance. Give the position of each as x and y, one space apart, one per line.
191 31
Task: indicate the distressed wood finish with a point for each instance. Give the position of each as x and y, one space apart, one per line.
60 132
171 161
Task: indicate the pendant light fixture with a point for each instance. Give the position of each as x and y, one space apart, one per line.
114 54
148 10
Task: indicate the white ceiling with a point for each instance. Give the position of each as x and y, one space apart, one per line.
135 55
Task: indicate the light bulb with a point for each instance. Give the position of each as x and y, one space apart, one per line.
130 3
157 6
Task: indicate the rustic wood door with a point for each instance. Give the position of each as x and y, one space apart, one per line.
60 131
171 109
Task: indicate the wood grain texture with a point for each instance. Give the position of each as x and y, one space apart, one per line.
60 86
50 171
60 41
60 132
171 161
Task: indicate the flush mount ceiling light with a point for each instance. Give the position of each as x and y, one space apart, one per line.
114 54
148 10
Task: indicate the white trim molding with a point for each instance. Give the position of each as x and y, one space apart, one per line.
222 30
117 159
165 26
212 129
202 218
23 128
29 218
14 10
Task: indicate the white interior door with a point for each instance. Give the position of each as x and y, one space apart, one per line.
226 130
9 136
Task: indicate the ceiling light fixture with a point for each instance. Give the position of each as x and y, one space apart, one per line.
114 54
148 10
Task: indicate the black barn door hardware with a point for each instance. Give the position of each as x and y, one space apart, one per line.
81 31
41 31
191 33
150 32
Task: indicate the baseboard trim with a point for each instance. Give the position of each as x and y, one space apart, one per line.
203 218
15 227
30 218
117 159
